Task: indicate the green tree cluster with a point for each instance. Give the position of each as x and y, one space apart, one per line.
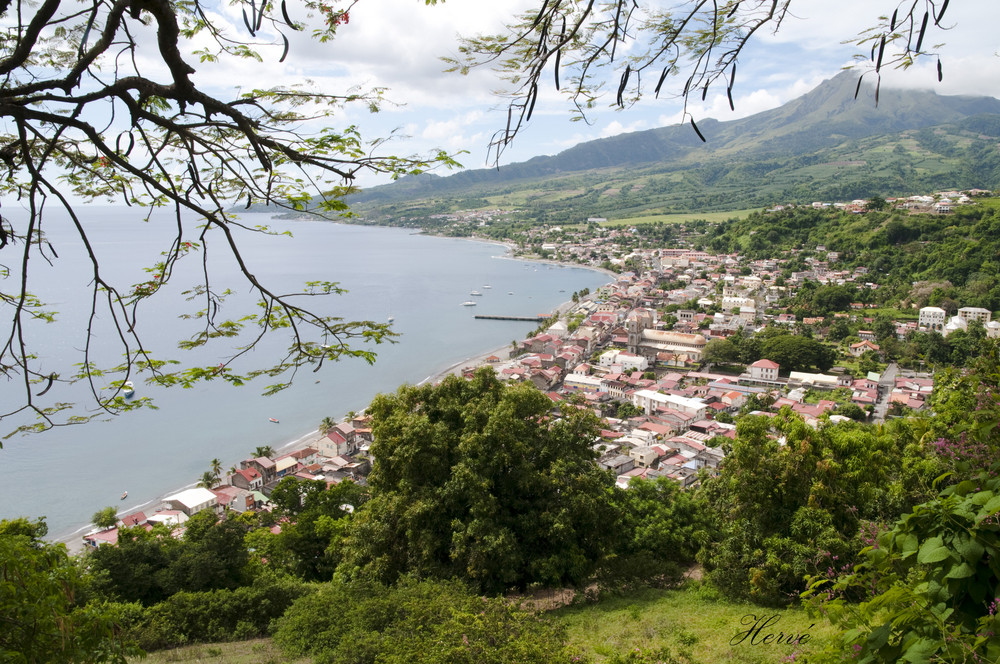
150 566
44 612
478 480
414 622
792 500
927 590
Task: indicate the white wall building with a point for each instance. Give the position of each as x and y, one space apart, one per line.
192 501
764 370
969 314
932 318
649 401
626 360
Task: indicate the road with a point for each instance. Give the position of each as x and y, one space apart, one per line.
885 385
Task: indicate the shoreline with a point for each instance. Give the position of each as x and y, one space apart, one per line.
74 539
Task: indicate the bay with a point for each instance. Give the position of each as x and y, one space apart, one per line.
69 473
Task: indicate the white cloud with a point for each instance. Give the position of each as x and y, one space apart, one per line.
397 44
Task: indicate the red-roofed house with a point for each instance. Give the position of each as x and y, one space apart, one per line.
764 370
248 479
335 443
109 536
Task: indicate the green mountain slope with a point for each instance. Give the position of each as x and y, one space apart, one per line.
825 144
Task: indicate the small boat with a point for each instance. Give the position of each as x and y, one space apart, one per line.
124 495
487 286
391 318
128 389
273 419
475 292
510 292
469 303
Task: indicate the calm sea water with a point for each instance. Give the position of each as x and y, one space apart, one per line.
68 474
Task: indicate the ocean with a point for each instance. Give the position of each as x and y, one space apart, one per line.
69 473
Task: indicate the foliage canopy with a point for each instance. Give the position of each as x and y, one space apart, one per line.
480 481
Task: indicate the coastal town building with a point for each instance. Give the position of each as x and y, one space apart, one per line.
192 501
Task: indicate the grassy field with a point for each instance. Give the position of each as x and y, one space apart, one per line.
693 623
255 651
711 217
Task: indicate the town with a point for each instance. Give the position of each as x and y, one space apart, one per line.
666 356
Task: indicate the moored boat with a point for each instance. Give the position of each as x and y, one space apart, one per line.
469 303
128 389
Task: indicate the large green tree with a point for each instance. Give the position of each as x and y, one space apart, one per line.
792 500
43 617
485 482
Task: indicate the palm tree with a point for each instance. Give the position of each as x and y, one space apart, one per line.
263 451
327 424
208 480
216 467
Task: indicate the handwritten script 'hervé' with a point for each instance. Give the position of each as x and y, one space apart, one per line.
755 634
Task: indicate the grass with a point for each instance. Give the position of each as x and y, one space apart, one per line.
692 622
255 651
680 218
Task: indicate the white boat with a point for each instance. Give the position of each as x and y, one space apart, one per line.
391 318
475 292
128 389
487 286
469 303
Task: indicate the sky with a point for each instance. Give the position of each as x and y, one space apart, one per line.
397 45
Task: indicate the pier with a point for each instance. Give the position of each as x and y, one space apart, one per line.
530 319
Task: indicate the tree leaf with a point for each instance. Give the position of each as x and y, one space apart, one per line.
932 551
879 636
963 571
908 544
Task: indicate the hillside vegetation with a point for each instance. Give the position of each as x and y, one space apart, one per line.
825 145
917 259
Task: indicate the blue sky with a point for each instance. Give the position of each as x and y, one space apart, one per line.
396 44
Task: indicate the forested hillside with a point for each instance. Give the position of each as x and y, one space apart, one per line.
825 145
916 258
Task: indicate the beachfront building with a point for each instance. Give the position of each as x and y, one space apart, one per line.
192 501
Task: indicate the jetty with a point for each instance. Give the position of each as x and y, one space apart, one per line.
530 319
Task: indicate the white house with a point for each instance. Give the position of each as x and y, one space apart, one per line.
932 318
626 360
649 401
764 370
192 501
